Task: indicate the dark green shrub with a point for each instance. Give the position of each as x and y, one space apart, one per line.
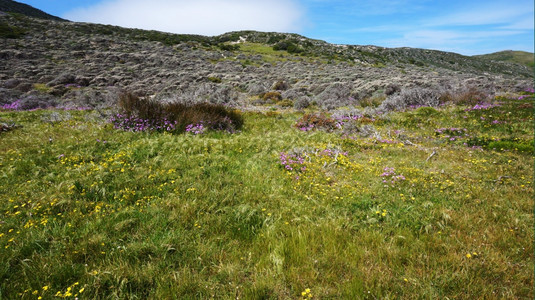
292 48
9 32
288 46
168 39
275 39
227 47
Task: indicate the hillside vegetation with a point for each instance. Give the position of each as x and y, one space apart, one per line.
68 64
519 57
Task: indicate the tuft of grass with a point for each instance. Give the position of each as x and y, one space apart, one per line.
42 87
214 79
285 103
371 101
272 96
426 111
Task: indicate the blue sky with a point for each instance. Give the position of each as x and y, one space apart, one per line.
467 27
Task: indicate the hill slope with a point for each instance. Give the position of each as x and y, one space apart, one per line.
68 62
374 55
25 9
519 57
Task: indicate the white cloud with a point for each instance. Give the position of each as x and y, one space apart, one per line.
522 24
467 31
463 42
488 15
206 17
366 8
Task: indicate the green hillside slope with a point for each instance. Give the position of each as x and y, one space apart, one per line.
519 57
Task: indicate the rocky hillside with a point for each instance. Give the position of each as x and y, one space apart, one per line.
49 62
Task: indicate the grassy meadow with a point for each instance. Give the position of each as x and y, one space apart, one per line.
435 204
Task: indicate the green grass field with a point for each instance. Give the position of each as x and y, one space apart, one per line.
440 206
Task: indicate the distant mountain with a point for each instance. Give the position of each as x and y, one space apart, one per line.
24 9
374 55
519 57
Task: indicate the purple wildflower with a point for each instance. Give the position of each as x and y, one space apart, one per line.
12 106
482 106
196 128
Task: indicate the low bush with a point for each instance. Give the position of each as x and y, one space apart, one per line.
273 96
302 103
141 114
143 108
214 116
280 86
391 89
412 98
360 129
470 96
371 101
316 121
228 47
288 46
285 103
